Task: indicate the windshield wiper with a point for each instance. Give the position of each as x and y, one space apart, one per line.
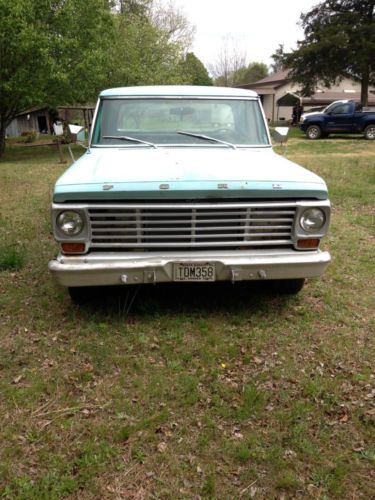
131 139
207 138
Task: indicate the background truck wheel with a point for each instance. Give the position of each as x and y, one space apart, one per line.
313 132
288 287
369 132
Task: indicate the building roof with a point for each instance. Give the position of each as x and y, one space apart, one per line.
327 97
274 78
178 90
77 107
322 98
33 109
269 83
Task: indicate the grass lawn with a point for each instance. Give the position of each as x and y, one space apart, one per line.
189 391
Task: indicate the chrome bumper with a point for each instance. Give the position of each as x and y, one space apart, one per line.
115 268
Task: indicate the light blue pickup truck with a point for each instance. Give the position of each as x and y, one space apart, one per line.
181 184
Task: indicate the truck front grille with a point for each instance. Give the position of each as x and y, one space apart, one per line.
191 225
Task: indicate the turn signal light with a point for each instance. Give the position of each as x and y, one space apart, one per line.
73 247
310 243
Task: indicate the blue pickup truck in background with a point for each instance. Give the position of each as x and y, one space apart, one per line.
340 117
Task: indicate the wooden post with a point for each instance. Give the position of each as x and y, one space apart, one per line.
59 131
62 160
85 118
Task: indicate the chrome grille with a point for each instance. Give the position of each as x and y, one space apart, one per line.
191 225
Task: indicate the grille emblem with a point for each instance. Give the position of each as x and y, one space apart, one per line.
107 187
277 186
164 186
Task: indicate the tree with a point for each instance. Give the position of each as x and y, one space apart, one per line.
138 7
194 71
277 57
251 73
172 21
50 53
229 60
58 52
339 42
230 69
142 53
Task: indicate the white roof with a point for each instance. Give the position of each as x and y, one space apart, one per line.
179 90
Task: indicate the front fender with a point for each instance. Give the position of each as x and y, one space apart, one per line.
306 124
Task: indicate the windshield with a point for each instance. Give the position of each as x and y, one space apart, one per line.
137 122
332 105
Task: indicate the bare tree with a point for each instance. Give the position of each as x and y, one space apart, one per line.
173 22
170 21
229 60
129 6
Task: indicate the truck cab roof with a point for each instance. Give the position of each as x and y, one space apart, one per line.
178 91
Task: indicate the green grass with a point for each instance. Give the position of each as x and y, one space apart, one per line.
11 258
211 391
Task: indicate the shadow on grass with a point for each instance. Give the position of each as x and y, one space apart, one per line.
332 137
24 154
192 298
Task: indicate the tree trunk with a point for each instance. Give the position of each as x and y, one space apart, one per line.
364 87
3 127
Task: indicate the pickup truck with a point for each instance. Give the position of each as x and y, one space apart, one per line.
181 184
340 117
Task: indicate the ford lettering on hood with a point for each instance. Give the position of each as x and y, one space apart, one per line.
193 173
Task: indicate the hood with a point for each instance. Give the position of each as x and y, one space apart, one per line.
312 113
176 173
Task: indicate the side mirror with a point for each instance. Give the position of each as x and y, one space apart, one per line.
280 134
76 133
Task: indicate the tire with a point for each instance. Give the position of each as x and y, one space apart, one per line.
288 287
313 132
369 132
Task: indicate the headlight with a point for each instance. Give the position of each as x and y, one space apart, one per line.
70 223
312 220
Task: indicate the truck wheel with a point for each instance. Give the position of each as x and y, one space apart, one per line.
313 132
369 132
288 287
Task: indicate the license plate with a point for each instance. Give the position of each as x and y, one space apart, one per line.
194 272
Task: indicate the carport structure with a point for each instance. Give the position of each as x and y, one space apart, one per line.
290 99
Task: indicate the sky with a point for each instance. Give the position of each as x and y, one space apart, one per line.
258 26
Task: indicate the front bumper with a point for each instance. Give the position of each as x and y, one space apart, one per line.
115 268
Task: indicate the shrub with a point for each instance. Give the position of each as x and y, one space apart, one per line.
11 259
29 136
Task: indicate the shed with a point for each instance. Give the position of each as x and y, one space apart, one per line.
71 114
36 119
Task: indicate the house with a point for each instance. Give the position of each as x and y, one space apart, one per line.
36 119
279 94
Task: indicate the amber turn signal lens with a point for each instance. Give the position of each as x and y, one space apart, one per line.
73 247
309 243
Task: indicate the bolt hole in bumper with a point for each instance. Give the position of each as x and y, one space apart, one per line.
115 268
